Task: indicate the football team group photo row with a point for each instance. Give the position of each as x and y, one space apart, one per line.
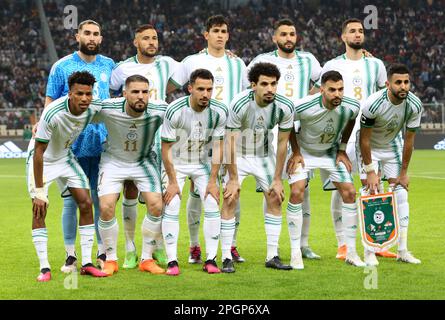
147 126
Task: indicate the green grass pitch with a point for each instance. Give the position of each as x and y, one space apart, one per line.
324 279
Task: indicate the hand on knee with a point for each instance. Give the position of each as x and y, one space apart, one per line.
155 209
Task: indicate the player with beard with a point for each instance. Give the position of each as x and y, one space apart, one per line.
362 76
132 123
158 70
327 119
384 115
88 147
298 70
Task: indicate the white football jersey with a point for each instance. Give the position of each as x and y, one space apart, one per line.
388 120
195 130
321 128
296 73
256 123
158 73
229 73
361 78
60 128
130 139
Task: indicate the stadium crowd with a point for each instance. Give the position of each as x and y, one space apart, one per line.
411 32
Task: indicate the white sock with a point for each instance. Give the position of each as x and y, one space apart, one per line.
194 210
306 219
403 212
273 229
151 231
86 242
40 240
349 213
212 230
294 217
336 213
227 233
100 249
70 250
109 231
129 217
170 232
237 222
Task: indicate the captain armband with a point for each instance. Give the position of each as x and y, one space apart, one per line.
366 122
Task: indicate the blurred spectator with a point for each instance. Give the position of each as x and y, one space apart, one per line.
412 33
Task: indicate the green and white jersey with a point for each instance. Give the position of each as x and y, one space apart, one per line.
193 131
60 128
158 73
229 73
130 140
256 123
296 73
321 128
361 78
388 120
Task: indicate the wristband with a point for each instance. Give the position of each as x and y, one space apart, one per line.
369 167
41 195
343 146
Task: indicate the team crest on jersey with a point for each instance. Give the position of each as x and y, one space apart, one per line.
393 124
260 125
219 80
329 129
357 78
197 131
289 77
132 136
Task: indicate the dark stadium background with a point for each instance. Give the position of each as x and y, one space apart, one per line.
33 37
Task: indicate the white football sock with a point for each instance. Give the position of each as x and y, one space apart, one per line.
129 217
349 213
237 222
194 209
40 240
212 230
227 233
86 242
306 219
403 212
294 218
109 231
336 213
170 232
70 250
273 229
151 230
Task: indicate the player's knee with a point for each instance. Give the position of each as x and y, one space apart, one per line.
296 195
155 208
349 194
86 204
106 211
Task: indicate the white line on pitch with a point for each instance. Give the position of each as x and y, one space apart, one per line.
427 177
